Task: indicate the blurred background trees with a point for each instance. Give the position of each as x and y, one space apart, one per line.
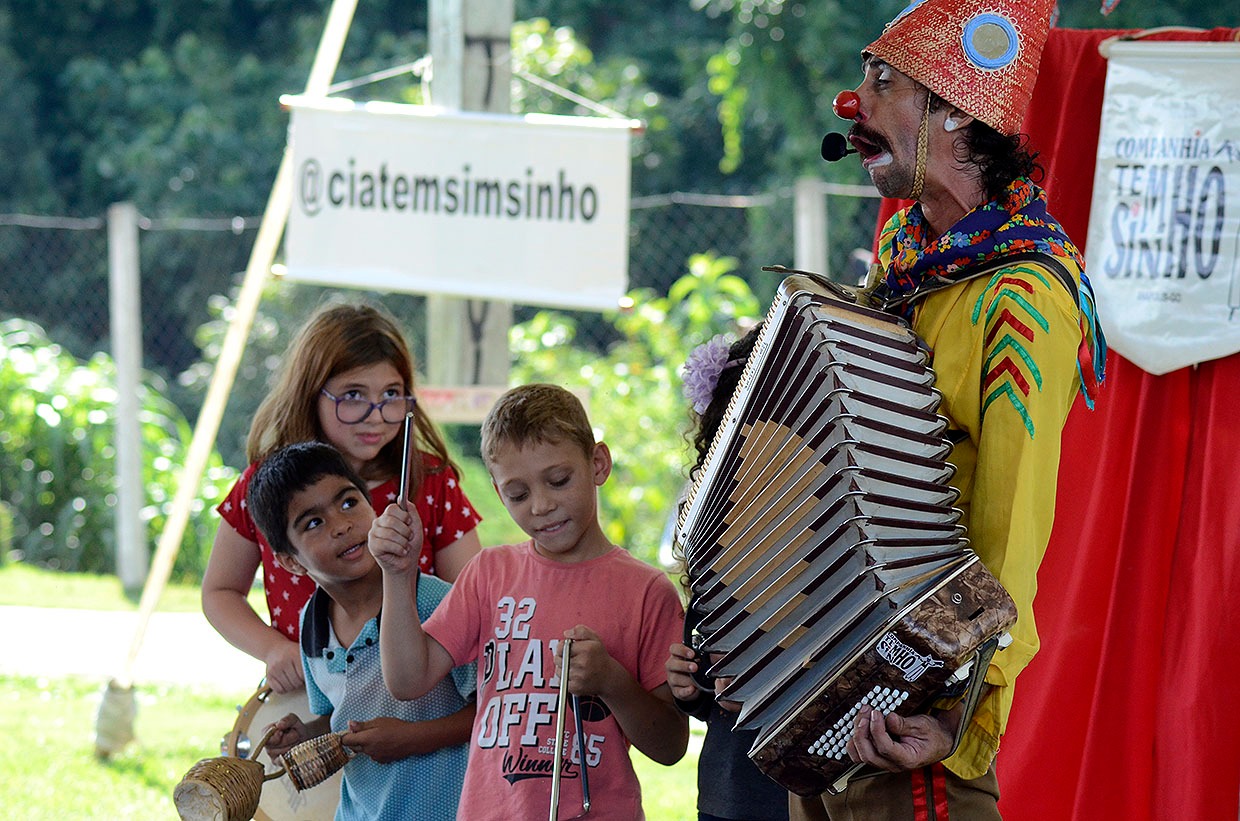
173 105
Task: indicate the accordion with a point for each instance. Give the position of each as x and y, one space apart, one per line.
828 568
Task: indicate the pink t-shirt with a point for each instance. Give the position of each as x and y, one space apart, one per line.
446 515
509 610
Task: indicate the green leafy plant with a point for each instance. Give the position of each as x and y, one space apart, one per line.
57 455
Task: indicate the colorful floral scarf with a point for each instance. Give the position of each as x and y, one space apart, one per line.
1015 222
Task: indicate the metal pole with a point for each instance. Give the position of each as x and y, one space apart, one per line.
125 306
470 40
812 250
261 257
114 720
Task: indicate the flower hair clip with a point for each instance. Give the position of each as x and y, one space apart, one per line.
702 369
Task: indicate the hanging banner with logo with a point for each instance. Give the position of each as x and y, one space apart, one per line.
531 209
1163 251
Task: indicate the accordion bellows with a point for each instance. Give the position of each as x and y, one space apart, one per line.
827 563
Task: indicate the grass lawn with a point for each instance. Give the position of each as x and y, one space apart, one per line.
28 586
50 771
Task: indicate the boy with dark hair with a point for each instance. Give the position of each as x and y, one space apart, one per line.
513 606
315 513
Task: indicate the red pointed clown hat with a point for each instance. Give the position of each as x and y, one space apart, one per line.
979 55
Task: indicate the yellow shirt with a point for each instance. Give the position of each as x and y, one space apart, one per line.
1004 350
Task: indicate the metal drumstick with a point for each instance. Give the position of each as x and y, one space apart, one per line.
581 756
559 729
406 465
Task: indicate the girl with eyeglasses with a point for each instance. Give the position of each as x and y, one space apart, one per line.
347 380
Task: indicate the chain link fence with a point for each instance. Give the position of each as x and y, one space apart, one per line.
55 273
757 230
55 269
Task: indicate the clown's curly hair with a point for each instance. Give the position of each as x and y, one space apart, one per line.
999 158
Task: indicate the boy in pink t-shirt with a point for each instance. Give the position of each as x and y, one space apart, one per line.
513 605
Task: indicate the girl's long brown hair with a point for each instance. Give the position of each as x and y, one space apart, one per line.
337 338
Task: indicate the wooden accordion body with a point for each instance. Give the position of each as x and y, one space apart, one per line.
827 562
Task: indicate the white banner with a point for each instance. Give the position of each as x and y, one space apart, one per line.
531 209
1163 251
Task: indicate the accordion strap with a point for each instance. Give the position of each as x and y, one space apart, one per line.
876 294
887 301
975 687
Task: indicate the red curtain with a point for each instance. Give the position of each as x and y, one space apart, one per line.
1131 710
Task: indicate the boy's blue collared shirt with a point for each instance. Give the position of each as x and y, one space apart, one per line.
348 684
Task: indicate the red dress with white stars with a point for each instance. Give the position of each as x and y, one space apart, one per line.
446 516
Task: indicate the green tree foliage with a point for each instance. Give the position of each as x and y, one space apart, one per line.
666 44
556 54
57 480
173 106
25 176
777 74
202 75
633 389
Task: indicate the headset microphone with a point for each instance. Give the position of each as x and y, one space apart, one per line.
835 147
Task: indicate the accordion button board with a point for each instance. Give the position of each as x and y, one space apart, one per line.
828 566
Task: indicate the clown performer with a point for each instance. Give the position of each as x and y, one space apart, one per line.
996 290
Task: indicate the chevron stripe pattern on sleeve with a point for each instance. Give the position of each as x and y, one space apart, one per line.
1010 370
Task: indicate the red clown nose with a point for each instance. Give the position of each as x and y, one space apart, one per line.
846 105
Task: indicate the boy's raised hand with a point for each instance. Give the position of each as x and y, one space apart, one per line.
395 540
